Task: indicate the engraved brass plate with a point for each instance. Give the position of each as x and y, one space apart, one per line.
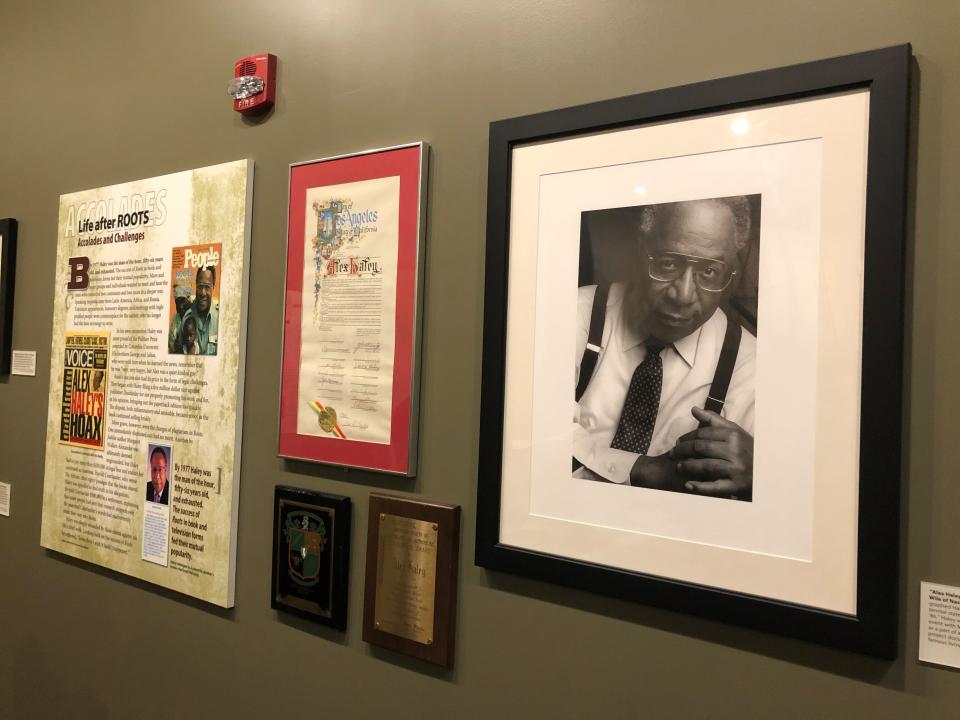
406 578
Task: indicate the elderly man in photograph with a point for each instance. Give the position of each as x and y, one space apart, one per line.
158 487
665 377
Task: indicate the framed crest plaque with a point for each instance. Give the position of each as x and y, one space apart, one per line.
311 555
349 393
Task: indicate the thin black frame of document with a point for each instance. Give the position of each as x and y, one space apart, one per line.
8 261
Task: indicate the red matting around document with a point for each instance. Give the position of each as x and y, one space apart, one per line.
395 457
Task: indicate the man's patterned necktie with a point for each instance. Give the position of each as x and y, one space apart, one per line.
641 404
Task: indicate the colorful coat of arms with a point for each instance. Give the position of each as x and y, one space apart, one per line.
306 535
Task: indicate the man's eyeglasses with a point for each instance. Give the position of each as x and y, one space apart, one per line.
709 275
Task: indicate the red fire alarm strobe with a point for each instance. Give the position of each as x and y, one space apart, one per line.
254 83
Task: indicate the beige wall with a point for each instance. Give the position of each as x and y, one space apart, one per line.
84 104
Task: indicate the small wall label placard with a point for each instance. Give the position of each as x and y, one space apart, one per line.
23 362
940 624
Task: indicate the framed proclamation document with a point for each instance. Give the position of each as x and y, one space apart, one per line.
693 348
410 591
349 394
311 555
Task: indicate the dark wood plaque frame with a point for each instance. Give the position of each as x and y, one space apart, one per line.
8 261
447 518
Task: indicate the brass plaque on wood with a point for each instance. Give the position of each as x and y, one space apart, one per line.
410 593
406 577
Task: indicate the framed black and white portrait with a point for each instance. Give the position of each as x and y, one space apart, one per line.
692 348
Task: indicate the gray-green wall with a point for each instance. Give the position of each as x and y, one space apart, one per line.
95 93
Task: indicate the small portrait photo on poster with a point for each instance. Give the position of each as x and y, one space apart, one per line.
158 474
666 346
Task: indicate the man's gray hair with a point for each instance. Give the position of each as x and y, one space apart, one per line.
652 216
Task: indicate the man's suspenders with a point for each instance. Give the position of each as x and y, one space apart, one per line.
724 371
721 377
598 317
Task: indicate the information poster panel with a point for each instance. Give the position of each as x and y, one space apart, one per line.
146 378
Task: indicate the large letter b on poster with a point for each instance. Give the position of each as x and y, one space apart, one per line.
78 273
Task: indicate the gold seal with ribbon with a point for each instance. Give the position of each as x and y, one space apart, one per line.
328 419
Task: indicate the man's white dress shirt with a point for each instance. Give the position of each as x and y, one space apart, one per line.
688 368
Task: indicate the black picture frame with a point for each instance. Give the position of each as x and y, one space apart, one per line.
321 593
872 629
8 262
